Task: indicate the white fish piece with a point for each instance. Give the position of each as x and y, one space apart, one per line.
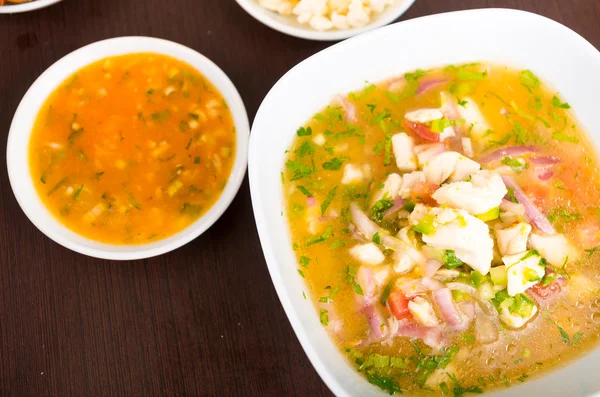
409 181
403 146
514 320
352 174
369 254
449 166
423 312
424 116
513 240
390 189
474 119
556 248
481 194
463 233
524 271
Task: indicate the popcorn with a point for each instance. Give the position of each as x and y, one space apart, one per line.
325 15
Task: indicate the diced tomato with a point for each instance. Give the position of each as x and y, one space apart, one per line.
421 130
421 193
398 305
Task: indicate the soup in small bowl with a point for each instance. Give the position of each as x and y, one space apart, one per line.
133 152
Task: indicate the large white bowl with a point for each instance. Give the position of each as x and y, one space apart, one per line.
25 7
289 25
20 131
555 53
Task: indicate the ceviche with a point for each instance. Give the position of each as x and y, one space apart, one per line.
446 223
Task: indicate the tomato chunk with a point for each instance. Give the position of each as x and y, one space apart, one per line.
421 193
421 130
398 305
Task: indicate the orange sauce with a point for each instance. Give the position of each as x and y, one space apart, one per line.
132 149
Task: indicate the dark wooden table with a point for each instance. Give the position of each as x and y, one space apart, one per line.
205 319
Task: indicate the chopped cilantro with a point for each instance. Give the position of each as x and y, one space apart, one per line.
304 261
334 164
563 213
319 239
444 388
516 165
450 260
337 244
304 131
461 102
305 149
377 238
301 273
77 192
324 317
379 209
562 137
378 147
416 75
386 292
299 169
592 251
529 80
556 102
511 195
351 279
467 75
304 191
384 384
328 200
395 98
161 116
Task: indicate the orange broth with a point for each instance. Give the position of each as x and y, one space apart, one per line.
132 149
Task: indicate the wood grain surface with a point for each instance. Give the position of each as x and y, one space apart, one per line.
203 320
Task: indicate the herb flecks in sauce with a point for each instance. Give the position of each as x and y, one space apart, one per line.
127 160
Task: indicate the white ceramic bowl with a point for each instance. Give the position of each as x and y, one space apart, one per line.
555 53
23 121
289 25
34 5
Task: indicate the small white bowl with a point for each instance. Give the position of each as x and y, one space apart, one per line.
23 121
34 5
289 25
559 56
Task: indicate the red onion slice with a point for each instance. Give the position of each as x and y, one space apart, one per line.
535 215
543 173
432 337
366 279
467 146
311 201
431 284
507 151
376 321
398 205
427 85
545 160
431 267
448 310
366 226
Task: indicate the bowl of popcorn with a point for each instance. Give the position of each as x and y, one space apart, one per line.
325 19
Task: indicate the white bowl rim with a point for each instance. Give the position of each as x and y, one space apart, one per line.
261 217
25 7
70 64
258 12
